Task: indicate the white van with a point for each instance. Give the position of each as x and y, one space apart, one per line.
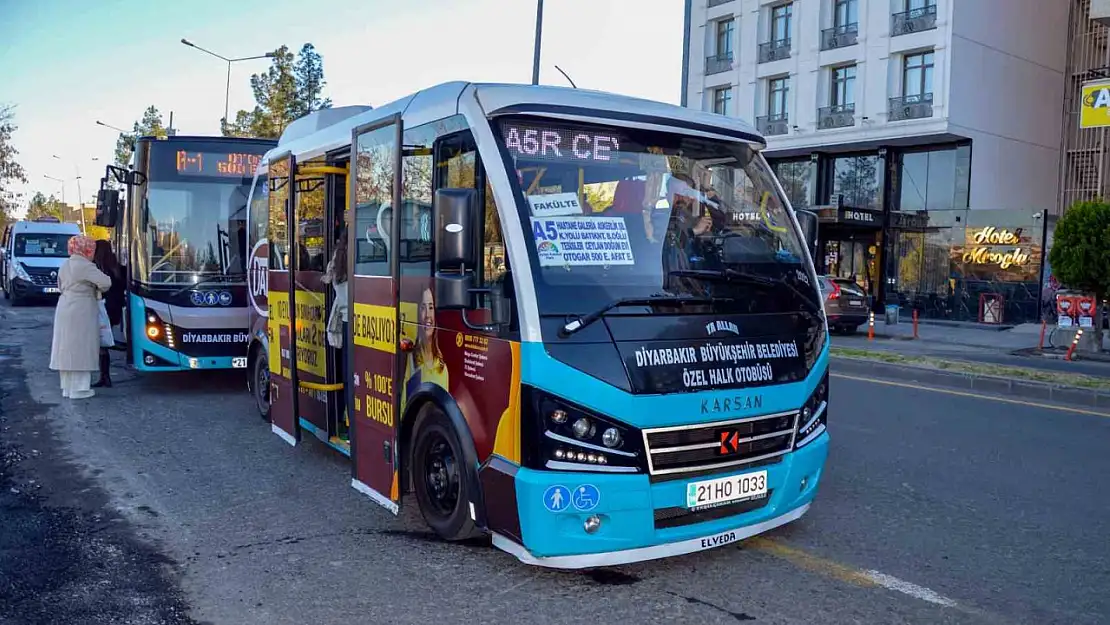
33 251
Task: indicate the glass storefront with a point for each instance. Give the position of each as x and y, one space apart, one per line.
949 264
906 235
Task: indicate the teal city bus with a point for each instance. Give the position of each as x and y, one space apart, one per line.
583 324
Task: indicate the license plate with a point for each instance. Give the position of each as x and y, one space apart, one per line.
239 363
51 289
855 303
725 490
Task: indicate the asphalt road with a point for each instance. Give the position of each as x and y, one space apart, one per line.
169 496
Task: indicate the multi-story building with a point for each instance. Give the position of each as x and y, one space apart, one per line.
917 129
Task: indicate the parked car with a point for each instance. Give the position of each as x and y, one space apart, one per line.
845 304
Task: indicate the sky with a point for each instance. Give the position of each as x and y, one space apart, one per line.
65 64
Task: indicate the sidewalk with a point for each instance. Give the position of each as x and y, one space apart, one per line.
971 342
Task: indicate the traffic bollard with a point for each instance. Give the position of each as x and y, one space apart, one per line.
1044 324
871 326
1074 343
915 323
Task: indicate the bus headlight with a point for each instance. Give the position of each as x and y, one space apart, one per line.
562 436
159 331
814 414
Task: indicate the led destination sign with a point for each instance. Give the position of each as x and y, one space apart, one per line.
536 142
217 164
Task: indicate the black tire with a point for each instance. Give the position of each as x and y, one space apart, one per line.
440 479
16 300
7 295
260 385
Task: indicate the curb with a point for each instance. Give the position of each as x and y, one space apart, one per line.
1025 389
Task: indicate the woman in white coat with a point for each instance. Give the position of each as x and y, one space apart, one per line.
75 351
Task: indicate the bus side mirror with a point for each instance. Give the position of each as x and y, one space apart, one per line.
456 256
808 221
107 207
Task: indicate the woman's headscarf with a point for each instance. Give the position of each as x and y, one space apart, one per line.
81 245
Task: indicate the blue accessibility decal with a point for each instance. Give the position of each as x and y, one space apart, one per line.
556 498
586 497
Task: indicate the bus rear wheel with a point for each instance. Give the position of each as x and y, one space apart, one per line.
440 479
260 384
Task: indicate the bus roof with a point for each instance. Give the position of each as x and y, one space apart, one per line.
185 138
494 99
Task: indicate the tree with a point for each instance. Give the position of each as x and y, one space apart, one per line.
42 206
11 172
149 126
293 87
1080 255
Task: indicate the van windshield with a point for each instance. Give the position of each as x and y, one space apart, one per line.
42 245
615 213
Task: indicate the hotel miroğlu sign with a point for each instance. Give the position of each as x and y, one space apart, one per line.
1094 107
983 244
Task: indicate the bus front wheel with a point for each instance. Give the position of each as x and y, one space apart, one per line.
440 479
260 384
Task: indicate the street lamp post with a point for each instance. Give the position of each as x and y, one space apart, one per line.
80 200
60 182
536 53
227 91
121 130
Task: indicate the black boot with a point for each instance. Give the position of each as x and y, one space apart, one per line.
105 370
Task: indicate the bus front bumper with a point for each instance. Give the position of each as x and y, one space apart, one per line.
627 508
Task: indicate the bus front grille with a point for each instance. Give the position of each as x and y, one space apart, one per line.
676 452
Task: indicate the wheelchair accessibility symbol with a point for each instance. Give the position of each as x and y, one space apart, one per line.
586 497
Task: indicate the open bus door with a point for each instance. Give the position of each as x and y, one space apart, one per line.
319 200
373 331
283 375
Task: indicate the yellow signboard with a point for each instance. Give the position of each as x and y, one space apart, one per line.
375 327
1094 106
311 336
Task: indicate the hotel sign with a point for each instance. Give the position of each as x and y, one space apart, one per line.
1094 105
983 250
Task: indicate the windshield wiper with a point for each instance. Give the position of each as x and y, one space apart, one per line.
208 280
733 275
580 322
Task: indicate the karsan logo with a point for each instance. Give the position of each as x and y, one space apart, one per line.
228 337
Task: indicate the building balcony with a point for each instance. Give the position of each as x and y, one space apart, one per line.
718 63
911 107
771 125
712 3
774 51
836 116
839 36
913 21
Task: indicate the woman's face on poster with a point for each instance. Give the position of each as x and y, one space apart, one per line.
427 313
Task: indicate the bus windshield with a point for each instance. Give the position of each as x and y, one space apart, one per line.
194 231
617 213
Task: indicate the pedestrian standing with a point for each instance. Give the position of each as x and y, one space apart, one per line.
105 260
76 344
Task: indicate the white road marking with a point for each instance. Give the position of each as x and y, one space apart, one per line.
920 592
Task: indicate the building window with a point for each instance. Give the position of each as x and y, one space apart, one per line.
934 180
845 13
859 179
916 5
796 178
781 16
722 100
725 31
843 89
778 89
917 74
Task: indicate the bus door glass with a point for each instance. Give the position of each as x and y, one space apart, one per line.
373 327
283 401
309 261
